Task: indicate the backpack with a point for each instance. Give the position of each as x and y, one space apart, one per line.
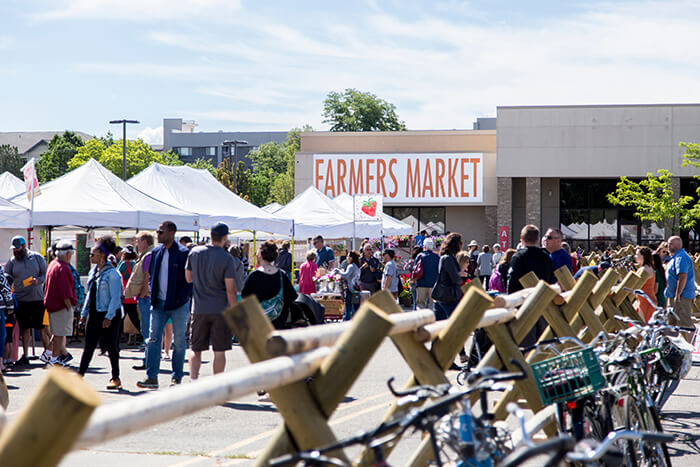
418 271
273 306
496 281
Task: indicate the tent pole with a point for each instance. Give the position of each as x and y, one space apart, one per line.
292 252
354 233
255 251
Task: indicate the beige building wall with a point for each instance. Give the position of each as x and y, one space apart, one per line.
471 222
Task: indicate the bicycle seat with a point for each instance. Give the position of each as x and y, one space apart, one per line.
483 373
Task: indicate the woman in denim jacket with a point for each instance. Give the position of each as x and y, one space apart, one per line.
102 309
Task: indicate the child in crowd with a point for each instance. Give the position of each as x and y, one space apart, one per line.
463 259
307 273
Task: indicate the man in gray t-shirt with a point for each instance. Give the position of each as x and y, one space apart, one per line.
390 276
211 270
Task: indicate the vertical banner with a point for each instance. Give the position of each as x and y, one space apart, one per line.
368 208
30 181
503 237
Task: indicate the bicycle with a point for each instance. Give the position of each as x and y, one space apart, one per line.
468 448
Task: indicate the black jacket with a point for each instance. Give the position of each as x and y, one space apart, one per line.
528 259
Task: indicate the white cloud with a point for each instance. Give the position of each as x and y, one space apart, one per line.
138 10
151 135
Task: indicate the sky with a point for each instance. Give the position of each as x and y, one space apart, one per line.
239 65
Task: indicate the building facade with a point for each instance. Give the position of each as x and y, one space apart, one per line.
190 145
547 165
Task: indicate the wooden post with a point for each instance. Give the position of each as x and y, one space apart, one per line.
305 409
565 279
50 421
463 321
303 418
4 393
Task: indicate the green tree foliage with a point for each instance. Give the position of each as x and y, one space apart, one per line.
10 160
271 177
202 163
354 110
139 155
54 161
654 201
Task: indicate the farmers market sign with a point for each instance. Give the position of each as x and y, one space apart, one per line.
403 178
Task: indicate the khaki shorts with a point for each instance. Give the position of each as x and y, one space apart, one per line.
423 298
61 323
210 327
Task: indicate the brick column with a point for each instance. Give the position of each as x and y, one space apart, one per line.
504 209
533 201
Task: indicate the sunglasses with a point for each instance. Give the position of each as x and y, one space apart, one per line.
160 231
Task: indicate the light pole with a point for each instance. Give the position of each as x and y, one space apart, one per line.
123 122
234 143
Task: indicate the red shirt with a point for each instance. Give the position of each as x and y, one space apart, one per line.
59 286
306 277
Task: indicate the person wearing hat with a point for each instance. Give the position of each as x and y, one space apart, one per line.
28 271
170 299
59 300
211 270
473 250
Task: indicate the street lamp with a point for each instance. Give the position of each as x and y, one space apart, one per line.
123 122
234 143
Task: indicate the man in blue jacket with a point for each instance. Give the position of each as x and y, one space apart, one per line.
170 299
429 261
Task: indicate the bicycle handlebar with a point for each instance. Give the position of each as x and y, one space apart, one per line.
555 340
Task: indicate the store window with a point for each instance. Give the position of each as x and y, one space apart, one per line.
590 222
430 219
184 151
211 151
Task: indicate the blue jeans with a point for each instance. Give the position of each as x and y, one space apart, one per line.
444 310
349 307
145 309
159 316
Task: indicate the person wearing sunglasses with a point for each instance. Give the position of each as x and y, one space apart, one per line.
102 310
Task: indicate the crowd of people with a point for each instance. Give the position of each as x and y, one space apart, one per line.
175 293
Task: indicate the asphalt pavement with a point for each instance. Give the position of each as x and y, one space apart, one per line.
235 432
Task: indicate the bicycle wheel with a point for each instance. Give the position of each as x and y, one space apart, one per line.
644 454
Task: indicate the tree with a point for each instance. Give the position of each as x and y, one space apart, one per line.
54 161
654 201
10 160
139 155
360 111
282 190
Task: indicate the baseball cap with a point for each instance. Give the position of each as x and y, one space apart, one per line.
18 241
220 229
496 245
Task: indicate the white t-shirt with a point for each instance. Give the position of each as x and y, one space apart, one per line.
163 277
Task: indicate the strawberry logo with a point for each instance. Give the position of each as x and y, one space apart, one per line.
369 207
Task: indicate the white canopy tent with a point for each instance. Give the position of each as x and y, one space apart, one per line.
13 216
316 214
196 190
390 225
272 207
92 196
10 185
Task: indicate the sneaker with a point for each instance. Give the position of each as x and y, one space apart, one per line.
175 381
64 359
148 383
115 383
45 357
139 367
54 361
264 397
24 361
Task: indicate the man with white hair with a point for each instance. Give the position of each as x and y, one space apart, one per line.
425 273
59 300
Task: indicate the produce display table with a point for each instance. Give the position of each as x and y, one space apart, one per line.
333 303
